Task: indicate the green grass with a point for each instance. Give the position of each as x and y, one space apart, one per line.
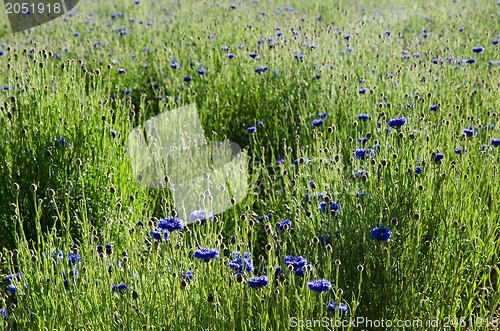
451 273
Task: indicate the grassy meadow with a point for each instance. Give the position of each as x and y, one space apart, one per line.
372 133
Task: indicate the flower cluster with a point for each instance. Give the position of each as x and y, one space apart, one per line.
239 264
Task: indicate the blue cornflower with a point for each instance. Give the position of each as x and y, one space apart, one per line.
362 140
301 160
157 234
361 153
363 90
317 76
3 312
260 123
333 306
240 265
261 218
363 117
171 224
187 79
418 170
231 56
202 71
299 57
359 173
9 278
296 262
439 157
280 227
121 71
433 107
320 286
175 65
478 49
256 282
62 143
382 234
333 206
470 61
317 122
100 249
388 33
459 150
470 132
118 264
73 259
201 216
260 70
494 42
347 37
495 142
187 275
322 115
280 161
225 48
119 288
318 196
252 129
300 272
397 122
206 254
12 289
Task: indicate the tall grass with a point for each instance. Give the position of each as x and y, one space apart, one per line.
68 196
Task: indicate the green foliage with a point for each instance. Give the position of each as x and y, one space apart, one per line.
76 193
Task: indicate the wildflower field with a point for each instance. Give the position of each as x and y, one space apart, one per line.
370 140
